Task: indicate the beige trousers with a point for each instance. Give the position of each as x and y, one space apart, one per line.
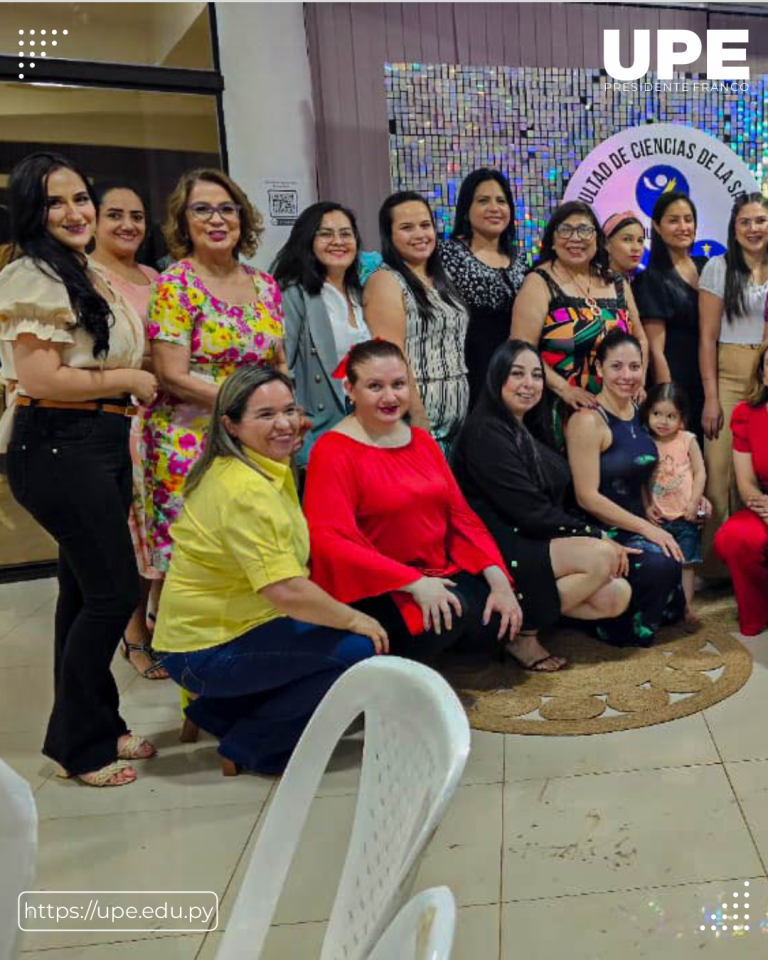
734 367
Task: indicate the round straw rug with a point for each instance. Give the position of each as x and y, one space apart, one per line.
608 688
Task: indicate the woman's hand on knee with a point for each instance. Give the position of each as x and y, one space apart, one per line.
503 601
366 626
438 604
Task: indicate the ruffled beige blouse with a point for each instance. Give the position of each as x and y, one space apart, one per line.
32 302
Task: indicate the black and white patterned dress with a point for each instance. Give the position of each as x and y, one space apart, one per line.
435 351
489 293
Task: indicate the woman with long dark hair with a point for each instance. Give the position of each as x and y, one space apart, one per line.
569 302
732 301
75 346
318 274
667 296
482 261
517 483
411 302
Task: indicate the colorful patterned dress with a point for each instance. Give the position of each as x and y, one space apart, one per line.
572 333
220 337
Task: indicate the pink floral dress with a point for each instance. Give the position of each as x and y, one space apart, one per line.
220 337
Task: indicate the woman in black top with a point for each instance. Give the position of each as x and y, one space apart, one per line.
517 484
481 260
667 297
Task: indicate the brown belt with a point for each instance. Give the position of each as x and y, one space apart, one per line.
127 411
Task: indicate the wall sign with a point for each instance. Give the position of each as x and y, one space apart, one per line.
631 170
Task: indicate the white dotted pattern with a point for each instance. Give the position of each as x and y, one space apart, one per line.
31 54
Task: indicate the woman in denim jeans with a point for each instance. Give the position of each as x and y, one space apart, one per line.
73 345
244 628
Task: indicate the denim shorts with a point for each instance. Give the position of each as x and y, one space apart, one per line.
688 536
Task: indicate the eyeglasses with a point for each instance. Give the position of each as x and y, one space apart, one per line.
567 230
205 211
326 236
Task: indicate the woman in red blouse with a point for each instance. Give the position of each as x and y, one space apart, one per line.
742 541
391 532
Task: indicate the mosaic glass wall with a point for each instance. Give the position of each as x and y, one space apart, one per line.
536 124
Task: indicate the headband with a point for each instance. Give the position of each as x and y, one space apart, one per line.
616 218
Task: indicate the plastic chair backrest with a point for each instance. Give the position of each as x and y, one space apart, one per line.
18 850
423 930
416 746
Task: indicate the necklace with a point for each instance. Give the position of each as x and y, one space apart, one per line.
588 298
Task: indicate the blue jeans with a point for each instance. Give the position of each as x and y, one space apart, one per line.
258 692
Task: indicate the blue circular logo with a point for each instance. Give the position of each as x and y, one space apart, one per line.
707 248
656 181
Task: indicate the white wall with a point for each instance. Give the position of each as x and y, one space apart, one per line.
268 111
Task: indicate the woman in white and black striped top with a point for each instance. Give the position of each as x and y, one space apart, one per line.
411 302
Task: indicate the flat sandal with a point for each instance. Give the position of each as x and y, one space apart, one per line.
130 748
100 778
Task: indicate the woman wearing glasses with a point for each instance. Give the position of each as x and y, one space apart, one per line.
209 314
318 273
569 302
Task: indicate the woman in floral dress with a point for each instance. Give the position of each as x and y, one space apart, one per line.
209 315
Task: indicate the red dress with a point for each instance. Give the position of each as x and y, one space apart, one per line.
382 518
742 541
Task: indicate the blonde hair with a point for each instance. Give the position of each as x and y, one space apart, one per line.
757 392
231 401
175 228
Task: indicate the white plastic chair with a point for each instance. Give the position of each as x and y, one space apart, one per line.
18 850
416 746
423 930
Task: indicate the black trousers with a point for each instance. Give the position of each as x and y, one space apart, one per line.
467 631
72 471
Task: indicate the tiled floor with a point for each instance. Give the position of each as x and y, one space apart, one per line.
599 848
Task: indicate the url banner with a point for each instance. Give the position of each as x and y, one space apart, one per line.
118 911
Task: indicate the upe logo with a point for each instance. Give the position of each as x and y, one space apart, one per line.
655 181
668 58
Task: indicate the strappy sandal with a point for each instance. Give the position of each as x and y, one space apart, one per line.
151 673
537 666
101 778
131 748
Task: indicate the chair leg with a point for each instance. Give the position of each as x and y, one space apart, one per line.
229 768
189 731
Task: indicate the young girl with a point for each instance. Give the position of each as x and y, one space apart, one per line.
675 498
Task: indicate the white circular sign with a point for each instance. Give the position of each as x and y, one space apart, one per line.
632 169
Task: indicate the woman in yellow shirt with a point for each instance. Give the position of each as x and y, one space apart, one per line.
243 627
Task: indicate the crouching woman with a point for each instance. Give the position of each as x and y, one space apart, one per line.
243 627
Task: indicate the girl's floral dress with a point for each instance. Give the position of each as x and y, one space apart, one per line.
220 338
